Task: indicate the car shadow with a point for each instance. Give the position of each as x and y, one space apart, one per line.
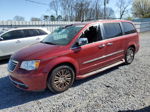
81 81
146 109
11 96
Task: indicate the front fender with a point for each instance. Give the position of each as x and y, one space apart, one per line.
59 60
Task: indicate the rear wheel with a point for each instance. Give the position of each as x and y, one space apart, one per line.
61 78
129 57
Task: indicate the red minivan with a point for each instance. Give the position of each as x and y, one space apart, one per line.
73 52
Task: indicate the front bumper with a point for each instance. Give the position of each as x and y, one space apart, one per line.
29 82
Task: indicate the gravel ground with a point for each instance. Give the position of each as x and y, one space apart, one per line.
124 88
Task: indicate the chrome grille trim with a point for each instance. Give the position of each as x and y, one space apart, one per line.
12 63
18 83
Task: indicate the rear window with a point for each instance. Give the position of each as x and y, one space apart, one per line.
30 32
34 32
112 30
128 28
41 32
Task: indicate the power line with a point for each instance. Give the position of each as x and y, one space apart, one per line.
35 2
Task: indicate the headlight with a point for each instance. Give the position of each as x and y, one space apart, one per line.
30 65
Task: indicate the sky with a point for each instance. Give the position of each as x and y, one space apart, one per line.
11 8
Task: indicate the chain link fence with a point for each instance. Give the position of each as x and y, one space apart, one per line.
44 24
141 26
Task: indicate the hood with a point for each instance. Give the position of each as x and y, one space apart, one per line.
38 51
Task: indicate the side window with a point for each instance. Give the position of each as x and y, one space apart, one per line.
13 35
93 34
112 30
33 32
41 32
128 28
30 32
26 33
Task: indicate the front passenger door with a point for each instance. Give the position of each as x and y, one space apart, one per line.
87 55
30 37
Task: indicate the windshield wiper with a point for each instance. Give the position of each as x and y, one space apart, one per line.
48 43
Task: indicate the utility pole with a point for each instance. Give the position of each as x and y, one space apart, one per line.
105 3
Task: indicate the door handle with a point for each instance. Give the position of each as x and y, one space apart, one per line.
18 41
101 46
109 44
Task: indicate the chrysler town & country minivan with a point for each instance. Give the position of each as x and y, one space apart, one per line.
73 52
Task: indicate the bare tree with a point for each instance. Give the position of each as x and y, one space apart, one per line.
105 8
109 13
141 8
94 10
68 9
55 6
19 18
81 9
90 14
123 7
97 9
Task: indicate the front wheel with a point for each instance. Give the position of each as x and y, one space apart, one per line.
61 78
129 57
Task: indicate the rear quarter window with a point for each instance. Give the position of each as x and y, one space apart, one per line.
112 30
128 28
41 32
30 32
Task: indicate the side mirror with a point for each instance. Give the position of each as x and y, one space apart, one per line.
82 41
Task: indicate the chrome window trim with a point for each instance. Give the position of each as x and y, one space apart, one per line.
102 57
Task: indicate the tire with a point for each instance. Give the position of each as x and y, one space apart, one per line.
129 56
60 79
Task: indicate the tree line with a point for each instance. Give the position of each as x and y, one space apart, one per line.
81 10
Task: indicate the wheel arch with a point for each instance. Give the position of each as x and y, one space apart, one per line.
62 61
132 44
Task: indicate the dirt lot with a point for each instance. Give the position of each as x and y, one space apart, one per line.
122 88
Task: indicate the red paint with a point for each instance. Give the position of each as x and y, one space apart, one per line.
53 55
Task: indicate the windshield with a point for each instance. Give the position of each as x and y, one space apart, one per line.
1 31
62 35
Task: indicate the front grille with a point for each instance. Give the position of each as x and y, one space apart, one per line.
12 65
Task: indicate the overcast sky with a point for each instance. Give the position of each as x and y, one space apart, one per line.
11 8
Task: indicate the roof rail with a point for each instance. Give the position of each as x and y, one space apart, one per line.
100 19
